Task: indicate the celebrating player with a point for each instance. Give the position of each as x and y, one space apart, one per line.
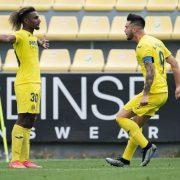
27 83
152 56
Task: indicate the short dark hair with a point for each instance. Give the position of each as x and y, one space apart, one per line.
137 20
16 18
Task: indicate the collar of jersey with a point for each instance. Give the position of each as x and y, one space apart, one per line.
29 33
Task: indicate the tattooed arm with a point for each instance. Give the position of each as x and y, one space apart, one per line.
148 82
149 77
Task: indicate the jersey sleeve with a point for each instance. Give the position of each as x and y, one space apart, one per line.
19 37
146 50
167 53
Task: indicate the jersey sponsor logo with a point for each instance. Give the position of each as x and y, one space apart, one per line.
33 43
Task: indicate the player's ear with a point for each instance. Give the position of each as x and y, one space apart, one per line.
134 29
26 20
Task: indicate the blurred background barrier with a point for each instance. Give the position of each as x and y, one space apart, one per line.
81 108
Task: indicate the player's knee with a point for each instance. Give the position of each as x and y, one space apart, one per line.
30 122
25 124
26 121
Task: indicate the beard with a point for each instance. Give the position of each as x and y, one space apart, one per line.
130 37
37 27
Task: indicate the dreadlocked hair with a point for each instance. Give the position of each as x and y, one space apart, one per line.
16 18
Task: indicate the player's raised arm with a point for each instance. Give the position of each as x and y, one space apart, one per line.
7 38
15 21
176 72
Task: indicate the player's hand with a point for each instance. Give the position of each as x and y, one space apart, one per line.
144 100
177 92
44 43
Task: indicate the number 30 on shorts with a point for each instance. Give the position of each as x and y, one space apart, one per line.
34 97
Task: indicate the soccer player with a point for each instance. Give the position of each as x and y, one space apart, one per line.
152 56
27 84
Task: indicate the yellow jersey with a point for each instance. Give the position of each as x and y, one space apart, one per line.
153 47
27 53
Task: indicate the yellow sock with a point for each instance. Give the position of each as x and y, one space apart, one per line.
133 129
130 148
26 146
17 141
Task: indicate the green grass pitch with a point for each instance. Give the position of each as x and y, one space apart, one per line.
94 169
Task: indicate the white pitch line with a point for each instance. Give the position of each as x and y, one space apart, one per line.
101 159
61 160
94 169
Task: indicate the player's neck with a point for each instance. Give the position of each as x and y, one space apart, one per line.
28 29
138 36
